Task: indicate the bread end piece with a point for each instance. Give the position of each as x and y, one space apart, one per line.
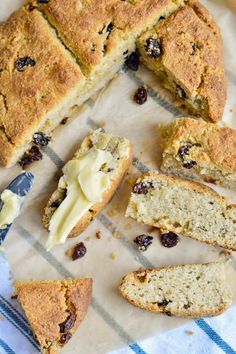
191 291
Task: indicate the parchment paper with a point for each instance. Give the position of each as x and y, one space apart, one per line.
111 322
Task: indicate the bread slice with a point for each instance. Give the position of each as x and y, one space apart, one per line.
198 150
183 207
54 308
40 82
194 291
185 51
122 156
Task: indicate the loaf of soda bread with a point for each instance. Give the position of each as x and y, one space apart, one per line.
198 150
185 51
192 291
121 151
183 207
54 308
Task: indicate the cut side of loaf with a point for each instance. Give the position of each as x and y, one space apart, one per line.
194 291
54 308
122 155
198 150
185 51
183 207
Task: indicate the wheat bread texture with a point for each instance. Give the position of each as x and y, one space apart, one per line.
122 153
183 207
198 150
185 51
35 97
50 305
194 291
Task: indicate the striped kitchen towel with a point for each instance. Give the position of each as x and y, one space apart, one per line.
204 336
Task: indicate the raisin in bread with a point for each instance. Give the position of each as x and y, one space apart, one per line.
121 154
194 291
183 207
185 51
54 308
198 150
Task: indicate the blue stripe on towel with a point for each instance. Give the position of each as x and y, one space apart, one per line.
5 347
215 337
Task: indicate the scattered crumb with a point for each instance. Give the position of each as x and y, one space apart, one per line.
88 238
189 332
128 226
231 110
101 123
1 318
14 297
2 249
116 234
225 253
112 212
98 234
69 252
113 256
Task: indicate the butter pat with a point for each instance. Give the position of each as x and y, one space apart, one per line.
85 185
10 209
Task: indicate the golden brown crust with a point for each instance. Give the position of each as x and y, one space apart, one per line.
48 304
27 96
77 20
185 313
192 56
218 144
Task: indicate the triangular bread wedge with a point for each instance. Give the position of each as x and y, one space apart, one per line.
196 290
54 308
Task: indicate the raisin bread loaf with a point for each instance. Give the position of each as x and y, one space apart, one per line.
118 154
196 290
198 150
183 207
185 51
54 308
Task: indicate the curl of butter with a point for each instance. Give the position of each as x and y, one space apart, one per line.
10 209
85 185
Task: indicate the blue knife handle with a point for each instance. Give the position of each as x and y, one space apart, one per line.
21 186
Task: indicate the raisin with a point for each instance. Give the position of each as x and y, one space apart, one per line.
162 18
43 1
41 139
194 48
109 29
143 242
67 324
180 93
56 204
184 150
65 337
21 63
34 154
126 52
189 164
78 251
64 121
142 187
168 313
140 95
163 303
110 169
153 48
186 306
169 239
132 62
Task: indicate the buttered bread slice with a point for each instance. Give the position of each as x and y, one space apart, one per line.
198 150
183 207
196 290
185 51
89 181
